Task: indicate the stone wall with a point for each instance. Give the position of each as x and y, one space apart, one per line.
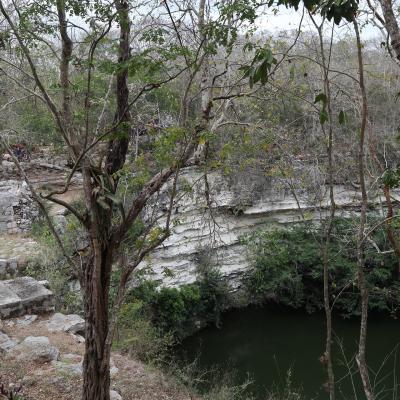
17 208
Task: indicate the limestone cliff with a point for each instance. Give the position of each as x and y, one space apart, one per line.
237 207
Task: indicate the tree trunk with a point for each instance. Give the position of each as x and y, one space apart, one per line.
328 317
362 284
391 25
389 230
118 146
326 359
361 357
96 364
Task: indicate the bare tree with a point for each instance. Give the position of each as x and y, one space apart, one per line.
362 284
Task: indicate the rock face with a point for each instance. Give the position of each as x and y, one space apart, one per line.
36 349
237 208
17 209
23 296
71 323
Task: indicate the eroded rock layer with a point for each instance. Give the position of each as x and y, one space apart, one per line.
213 228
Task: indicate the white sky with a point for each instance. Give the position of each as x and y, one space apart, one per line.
289 19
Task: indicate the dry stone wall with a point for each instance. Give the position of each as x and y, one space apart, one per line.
17 208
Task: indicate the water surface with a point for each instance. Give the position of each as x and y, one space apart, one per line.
266 343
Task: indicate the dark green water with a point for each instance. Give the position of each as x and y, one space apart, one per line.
264 344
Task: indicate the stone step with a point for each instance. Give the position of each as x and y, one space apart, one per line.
24 295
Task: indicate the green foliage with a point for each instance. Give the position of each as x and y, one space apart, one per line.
288 268
181 311
37 123
260 67
342 117
332 9
165 148
50 265
137 334
323 114
174 307
391 177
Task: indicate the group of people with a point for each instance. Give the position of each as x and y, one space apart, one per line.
20 151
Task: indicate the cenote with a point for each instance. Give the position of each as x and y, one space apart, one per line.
264 344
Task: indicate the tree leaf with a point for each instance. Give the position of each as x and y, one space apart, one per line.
321 97
342 117
323 116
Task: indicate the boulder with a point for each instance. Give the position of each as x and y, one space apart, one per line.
113 371
73 364
78 338
26 320
70 358
6 343
17 208
35 348
60 223
71 323
115 395
69 368
23 296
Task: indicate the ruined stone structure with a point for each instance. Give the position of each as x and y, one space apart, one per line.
24 295
17 208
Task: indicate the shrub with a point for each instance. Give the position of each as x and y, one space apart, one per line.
137 335
287 267
52 266
163 315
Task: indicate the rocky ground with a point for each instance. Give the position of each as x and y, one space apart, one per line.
18 246
43 355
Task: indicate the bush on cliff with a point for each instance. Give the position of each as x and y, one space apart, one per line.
287 268
163 315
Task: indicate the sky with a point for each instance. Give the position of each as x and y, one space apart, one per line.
289 19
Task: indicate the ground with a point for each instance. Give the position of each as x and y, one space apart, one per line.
17 246
134 380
